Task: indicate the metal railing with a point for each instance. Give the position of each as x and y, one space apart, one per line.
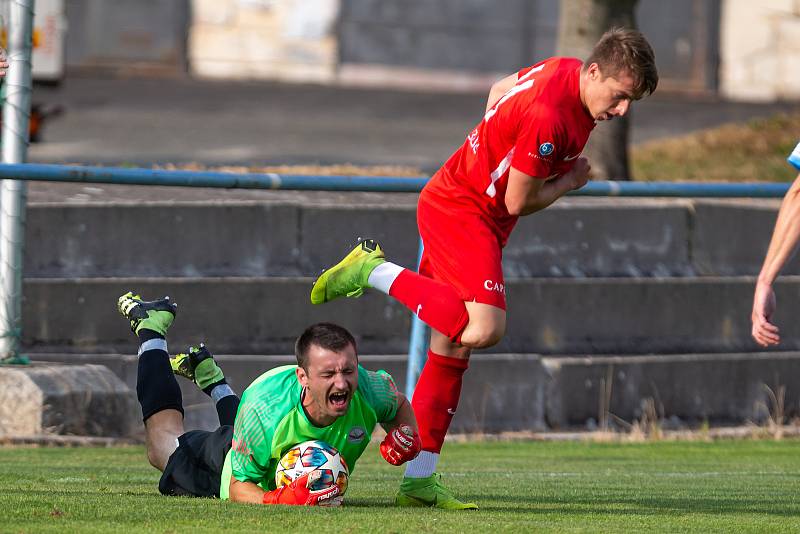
226 180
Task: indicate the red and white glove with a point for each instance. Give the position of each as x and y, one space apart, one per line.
401 445
298 493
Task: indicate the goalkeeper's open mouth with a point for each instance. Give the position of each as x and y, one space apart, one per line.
339 400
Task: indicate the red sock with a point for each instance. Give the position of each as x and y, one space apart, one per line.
434 302
436 398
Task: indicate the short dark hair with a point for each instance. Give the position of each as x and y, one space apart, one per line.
624 49
326 335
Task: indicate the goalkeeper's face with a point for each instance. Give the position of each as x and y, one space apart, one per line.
330 380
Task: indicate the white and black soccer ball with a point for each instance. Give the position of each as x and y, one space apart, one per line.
310 456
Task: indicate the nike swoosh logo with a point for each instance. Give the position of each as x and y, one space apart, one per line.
451 411
570 158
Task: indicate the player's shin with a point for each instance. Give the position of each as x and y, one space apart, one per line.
435 401
156 386
226 401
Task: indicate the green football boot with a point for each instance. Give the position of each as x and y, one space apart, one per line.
430 492
197 365
349 277
156 315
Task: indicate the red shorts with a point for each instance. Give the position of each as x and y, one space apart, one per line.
461 250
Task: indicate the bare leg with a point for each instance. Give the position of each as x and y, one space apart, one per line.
486 327
162 430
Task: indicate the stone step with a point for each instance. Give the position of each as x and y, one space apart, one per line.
80 399
718 388
519 392
576 237
546 316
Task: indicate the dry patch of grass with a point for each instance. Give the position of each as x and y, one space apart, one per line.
345 169
748 152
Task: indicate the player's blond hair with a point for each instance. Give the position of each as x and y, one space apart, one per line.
625 49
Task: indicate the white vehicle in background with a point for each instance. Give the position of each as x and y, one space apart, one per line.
49 28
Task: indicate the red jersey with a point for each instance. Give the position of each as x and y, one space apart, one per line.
539 127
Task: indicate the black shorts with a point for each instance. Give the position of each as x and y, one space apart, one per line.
194 469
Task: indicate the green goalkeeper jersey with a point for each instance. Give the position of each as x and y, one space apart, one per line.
271 420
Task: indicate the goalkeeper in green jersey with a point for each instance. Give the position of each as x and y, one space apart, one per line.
327 396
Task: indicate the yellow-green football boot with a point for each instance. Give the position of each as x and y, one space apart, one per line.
429 492
155 315
198 365
349 277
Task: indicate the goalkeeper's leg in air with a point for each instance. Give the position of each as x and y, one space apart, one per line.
170 448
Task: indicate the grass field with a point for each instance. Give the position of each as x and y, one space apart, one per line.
753 151
720 486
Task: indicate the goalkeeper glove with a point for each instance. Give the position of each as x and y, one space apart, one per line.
401 445
299 493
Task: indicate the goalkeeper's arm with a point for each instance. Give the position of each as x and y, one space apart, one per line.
296 493
402 442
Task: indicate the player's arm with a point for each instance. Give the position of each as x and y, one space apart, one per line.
250 454
528 194
296 493
499 88
402 442
784 242
394 413
405 415
246 492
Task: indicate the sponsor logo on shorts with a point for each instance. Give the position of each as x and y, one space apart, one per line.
545 149
497 287
356 434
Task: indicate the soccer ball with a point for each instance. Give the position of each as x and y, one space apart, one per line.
309 456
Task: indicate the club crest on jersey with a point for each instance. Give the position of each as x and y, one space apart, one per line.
356 434
545 149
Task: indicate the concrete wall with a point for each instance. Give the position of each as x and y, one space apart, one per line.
428 44
525 392
287 40
546 316
458 44
760 50
718 388
574 238
147 36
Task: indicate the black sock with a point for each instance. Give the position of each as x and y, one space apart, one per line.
226 409
156 386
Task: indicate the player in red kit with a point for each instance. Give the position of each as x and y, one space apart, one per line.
523 156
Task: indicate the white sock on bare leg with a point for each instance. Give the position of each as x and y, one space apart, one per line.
383 276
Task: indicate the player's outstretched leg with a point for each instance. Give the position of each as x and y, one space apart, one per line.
349 277
433 301
158 391
199 366
429 492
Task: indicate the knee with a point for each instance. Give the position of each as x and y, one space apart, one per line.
155 459
483 335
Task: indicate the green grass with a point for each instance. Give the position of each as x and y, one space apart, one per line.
521 486
747 152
